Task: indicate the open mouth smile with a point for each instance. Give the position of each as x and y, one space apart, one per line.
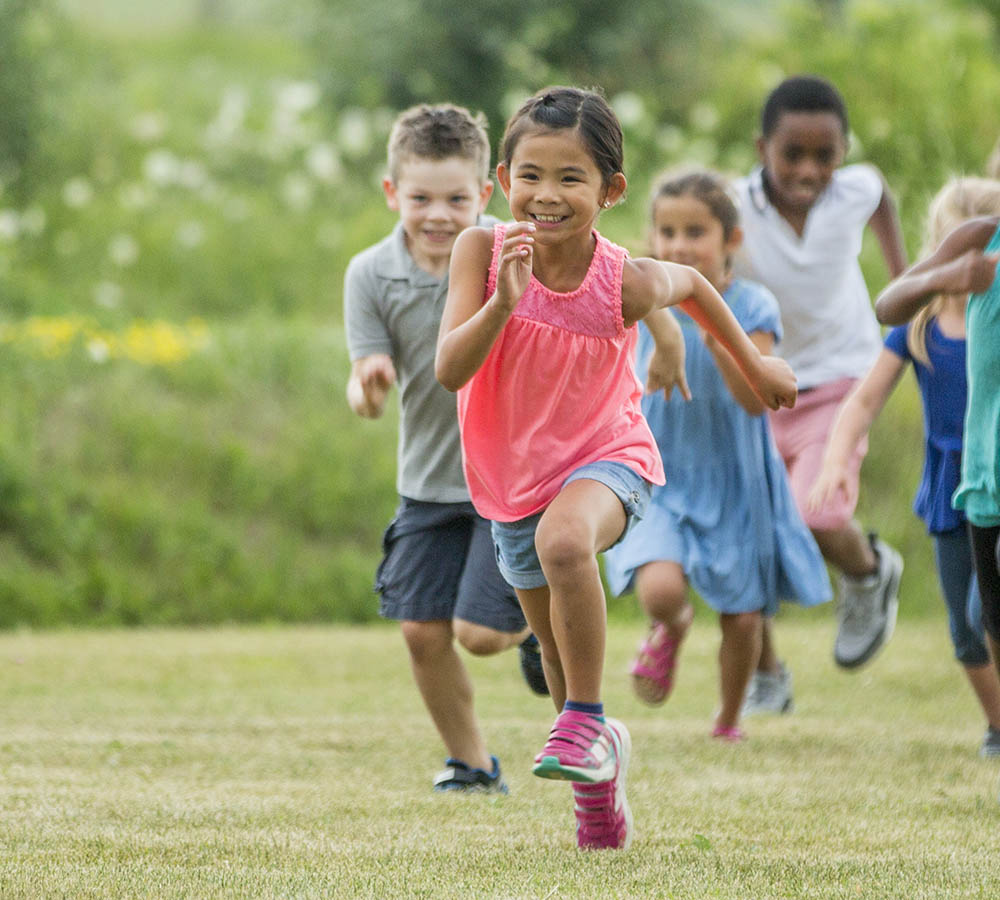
546 219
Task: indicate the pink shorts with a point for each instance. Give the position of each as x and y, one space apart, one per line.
800 434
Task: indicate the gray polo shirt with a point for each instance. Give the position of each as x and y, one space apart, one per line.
392 306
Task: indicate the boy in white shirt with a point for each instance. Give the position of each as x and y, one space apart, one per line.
803 218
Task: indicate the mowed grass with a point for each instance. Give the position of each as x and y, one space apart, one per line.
296 762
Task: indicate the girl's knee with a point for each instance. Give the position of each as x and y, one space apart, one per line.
662 589
746 624
563 545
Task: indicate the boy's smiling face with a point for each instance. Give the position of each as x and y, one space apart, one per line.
800 156
436 199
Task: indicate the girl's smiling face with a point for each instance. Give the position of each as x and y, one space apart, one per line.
553 181
686 231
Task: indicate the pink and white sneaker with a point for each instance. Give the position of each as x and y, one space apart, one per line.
580 747
603 817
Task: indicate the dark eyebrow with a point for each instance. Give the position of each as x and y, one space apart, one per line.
571 170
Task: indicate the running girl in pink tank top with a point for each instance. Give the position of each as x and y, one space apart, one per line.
537 337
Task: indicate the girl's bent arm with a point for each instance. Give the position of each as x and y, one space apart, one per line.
469 327
854 420
738 387
649 284
957 266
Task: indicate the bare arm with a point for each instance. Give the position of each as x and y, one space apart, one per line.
854 420
957 266
666 365
764 342
885 224
649 284
469 327
369 383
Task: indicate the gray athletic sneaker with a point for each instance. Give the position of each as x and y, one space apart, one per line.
991 743
769 693
868 608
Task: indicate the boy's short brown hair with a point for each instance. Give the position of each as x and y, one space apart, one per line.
439 132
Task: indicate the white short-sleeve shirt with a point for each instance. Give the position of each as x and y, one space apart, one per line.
830 328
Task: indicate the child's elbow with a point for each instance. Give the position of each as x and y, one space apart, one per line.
445 373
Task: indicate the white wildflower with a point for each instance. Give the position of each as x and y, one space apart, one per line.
629 108
704 117
323 163
354 133
77 192
33 220
10 224
161 167
191 234
150 126
123 250
297 191
108 294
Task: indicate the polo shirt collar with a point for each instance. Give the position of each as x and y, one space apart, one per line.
398 265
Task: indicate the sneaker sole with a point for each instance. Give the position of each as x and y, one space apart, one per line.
787 708
625 756
550 767
883 638
892 610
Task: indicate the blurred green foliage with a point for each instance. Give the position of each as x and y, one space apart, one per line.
178 205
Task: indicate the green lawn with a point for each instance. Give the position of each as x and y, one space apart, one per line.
296 762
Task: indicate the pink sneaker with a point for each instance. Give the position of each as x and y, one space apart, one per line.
603 817
580 748
734 734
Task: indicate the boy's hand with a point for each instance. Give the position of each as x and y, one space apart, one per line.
514 267
369 384
775 384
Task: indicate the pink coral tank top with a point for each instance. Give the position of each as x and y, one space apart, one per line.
556 392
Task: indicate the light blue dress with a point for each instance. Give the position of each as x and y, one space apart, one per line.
726 513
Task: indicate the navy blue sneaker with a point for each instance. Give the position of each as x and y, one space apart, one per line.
531 665
459 777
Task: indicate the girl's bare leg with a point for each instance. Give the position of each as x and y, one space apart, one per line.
585 518
738 654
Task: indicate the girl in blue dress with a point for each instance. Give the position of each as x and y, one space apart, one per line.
725 522
934 341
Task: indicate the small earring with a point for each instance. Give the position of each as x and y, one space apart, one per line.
607 204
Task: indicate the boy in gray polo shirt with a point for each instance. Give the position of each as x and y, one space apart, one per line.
438 576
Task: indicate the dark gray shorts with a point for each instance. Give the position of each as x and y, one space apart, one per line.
439 563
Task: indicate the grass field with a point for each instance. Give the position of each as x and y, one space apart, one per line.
296 762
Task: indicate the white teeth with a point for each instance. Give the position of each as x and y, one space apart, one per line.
542 218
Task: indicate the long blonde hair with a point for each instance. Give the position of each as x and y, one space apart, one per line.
960 199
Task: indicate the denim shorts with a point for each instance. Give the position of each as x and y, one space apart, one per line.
517 558
439 563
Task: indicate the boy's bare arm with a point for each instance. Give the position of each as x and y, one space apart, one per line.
885 224
957 266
